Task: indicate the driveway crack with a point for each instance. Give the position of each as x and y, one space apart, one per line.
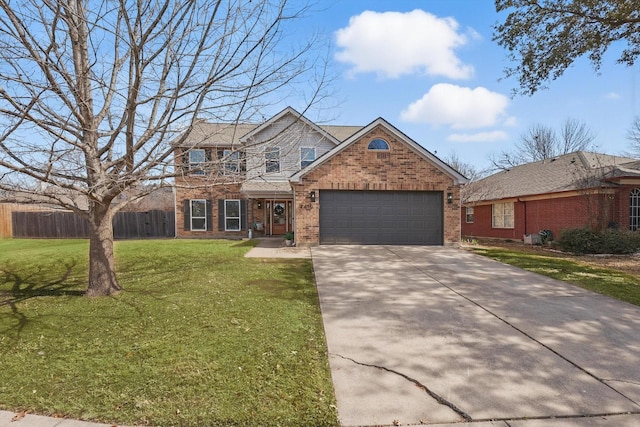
441 400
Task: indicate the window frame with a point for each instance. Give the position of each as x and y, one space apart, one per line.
500 216
231 161
197 167
634 209
227 217
304 163
372 147
469 214
272 160
192 216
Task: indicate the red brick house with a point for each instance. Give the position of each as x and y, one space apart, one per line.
581 189
327 184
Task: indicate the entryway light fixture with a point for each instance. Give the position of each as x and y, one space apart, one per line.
312 196
259 204
449 197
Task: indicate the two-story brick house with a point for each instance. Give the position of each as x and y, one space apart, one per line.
328 184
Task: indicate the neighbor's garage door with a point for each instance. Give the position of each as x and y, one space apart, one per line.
381 217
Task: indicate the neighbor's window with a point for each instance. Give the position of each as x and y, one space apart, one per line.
232 215
502 215
378 144
307 156
198 215
272 159
197 160
469 214
634 210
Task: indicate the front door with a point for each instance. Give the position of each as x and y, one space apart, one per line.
279 218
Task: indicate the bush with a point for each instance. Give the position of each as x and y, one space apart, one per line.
610 241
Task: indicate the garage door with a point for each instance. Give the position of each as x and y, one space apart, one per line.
381 217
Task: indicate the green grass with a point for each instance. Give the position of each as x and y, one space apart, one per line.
200 336
613 283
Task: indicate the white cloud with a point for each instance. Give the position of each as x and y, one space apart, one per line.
496 135
394 43
457 107
612 95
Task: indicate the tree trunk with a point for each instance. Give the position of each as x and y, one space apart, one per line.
102 274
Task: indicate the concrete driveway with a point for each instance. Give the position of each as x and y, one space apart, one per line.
439 335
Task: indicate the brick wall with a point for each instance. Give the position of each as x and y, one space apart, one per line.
553 214
356 168
213 193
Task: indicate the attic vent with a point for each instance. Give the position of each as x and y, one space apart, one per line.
383 156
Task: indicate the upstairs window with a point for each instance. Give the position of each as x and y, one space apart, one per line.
378 144
197 161
231 162
307 156
272 159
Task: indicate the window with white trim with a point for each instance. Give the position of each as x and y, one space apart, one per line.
231 161
197 160
634 210
307 156
198 215
232 215
469 214
272 159
502 215
378 144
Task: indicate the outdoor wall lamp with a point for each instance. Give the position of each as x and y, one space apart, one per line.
449 197
259 204
312 196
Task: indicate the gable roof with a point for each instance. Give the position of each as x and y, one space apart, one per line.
206 133
420 150
569 172
298 118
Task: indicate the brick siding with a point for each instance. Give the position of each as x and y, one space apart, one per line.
356 168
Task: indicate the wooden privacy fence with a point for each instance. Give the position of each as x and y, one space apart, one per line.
61 225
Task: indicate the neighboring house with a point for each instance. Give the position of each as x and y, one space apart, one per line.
581 189
328 184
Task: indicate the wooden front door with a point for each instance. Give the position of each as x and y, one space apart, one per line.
278 217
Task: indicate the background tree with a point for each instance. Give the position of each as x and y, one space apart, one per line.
544 37
540 142
92 92
466 169
633 135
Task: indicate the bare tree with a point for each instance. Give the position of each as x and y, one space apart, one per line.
541 142
633 135
467 169
91 94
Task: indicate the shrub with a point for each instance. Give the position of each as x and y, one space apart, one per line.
610 241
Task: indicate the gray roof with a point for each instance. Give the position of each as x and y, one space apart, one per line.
569 172
229 134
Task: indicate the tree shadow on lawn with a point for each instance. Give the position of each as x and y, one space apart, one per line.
39 284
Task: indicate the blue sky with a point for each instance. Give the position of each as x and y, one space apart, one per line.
431 69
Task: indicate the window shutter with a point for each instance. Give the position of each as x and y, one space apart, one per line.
221 215
187 214
243 214
209 215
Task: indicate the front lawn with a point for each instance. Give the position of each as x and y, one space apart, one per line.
579 271
201 336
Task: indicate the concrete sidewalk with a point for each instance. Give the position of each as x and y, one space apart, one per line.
274 247
433 335
11 419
